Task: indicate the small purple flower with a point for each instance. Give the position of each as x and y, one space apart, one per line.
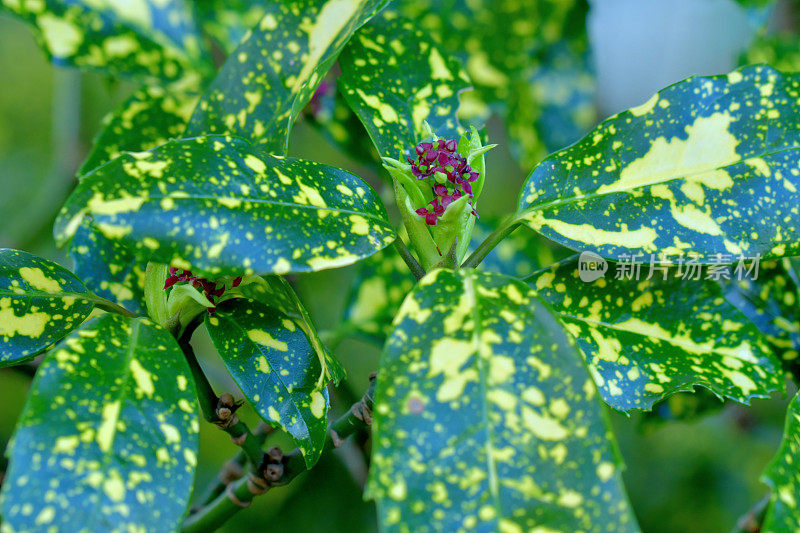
211 289
448 173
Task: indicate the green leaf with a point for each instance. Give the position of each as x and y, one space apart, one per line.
270 359
149 117
108 268
376 292
771 303
383 280
108 437
151 41
256 213
265 83
528 62
486 419
228 21
705 168
780 50
498 40
557 98
647 339
276 293
40 302
330 115
783 477
394 77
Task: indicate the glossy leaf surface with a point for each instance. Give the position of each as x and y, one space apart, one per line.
783 477
771 303
258 212
276 293
153 41
108 437
394 77
272 74
150 117
276 368
646 339
705 168
486 418
498 40
383 280
40 302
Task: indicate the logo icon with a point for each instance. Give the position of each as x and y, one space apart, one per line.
591 267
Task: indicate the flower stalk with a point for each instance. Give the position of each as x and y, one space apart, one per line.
437 190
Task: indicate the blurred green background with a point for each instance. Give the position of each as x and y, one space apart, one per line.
682 476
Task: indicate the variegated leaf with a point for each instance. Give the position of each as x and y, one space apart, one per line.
271 360
498 40
146 40
40 302
150 117
553 105
383 280
646 339
783 477
228 21
330 115
272 74
394 77
108 267
705 168
276 293
486 419
257 212
108 437
771 303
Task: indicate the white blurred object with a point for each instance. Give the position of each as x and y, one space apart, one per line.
641 46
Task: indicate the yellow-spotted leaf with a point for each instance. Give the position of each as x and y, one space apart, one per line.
383 280
527 61
218 206
40 302
228 21
270 77
272 361
276 293
486 418
395 77
499 41
783 477
553 105
150 117
771 303
107 440
153 41
645 339
706 168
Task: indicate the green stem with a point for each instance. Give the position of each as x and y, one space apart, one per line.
111 307
220 411
233 469
409 259
240 494
505 229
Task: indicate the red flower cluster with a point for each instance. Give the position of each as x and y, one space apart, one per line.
210 289
449 172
